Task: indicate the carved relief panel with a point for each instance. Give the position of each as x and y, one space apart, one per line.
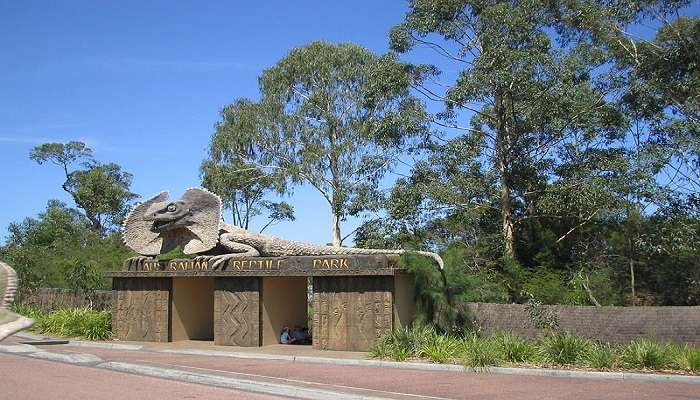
351 313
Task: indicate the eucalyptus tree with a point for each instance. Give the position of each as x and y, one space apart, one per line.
242 186
101 190
526 93
336 117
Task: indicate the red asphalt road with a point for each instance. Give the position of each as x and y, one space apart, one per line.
452 385
23 378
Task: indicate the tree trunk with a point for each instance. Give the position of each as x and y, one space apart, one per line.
337 239
634 296
503 147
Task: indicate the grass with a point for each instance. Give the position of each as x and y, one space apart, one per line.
440 348
601 356
555 349
646 354
479 354
69 322
516 349
563 348
687 359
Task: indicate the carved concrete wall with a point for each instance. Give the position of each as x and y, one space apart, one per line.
142 309
237 311
351 313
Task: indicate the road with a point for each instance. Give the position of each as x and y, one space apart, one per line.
29 378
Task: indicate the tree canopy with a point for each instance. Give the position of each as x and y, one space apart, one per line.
102 191
335 117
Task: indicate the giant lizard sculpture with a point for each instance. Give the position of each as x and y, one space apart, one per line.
193 222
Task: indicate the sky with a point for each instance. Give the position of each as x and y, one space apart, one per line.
142 83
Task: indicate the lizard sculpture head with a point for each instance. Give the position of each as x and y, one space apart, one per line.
159 224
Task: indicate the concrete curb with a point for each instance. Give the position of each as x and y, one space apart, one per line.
104 345
619 376
450 367
18 348
382 363
246 385
69 358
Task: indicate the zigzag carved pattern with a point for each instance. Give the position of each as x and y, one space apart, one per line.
234 311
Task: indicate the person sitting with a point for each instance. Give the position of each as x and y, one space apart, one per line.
301 335
286 337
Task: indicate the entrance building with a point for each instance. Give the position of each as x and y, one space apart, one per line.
356 300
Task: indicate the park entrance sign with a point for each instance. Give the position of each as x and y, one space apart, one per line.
247 301
242 288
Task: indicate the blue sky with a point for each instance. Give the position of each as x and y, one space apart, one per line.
142 84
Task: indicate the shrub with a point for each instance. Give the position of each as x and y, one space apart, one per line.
404 343
70 322
600 356
688 358
381 349
479 354
539 316
440 348
32 312
646 353
516 349
564 348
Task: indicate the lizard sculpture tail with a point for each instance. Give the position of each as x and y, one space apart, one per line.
9 321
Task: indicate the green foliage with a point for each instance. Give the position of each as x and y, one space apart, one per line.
539 316
404 343
554 349
100 190
334 116
564 348
516 349
480 354
576 176
645 353
241 185
440 348
464 284
34 313
688 358
84 278
601 356
75 322
59 249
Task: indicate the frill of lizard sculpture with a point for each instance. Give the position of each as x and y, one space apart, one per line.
193 222
9 321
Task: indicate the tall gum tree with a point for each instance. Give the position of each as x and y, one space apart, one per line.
336 117
526 92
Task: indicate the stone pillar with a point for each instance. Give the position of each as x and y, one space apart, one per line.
237 311
142 311
351 312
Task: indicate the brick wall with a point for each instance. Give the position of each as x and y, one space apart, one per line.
613 324
52 299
